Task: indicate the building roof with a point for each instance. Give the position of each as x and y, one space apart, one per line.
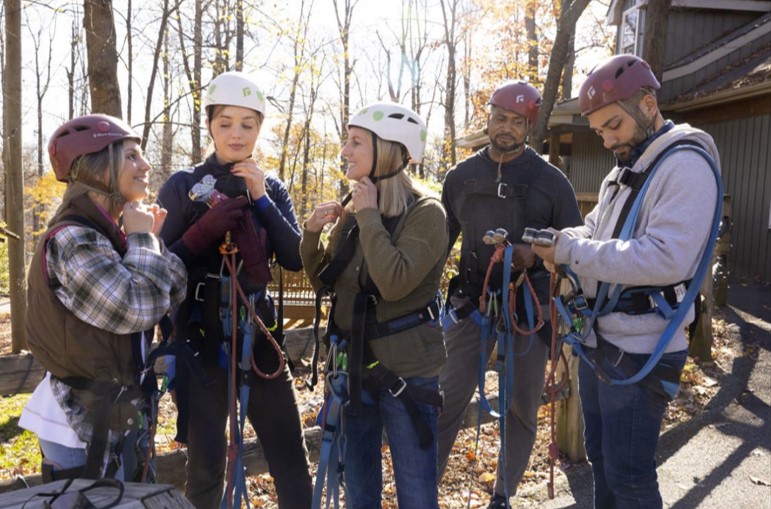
748 77
751 75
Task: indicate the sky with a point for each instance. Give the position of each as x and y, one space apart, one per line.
263 59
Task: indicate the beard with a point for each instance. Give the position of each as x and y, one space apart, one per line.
623 151
503 147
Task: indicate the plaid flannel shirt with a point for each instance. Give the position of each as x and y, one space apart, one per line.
122 295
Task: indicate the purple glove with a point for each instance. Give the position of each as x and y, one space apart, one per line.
212 226
251 245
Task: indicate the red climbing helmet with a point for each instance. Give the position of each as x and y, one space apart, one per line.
85 135
615 79
518 96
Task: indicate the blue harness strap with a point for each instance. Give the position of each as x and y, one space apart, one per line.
331 453
501 327
586 318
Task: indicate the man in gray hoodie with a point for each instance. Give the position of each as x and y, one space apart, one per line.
664 249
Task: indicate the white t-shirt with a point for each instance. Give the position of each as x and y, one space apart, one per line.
43 416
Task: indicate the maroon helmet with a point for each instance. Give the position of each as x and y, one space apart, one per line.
518 96
615 79
85 135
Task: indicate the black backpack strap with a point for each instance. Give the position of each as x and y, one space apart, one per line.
636 181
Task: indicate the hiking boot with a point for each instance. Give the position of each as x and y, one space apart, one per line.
498 502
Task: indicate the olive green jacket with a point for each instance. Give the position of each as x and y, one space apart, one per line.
406 268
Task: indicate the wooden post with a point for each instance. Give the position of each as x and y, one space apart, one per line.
701 342
570 420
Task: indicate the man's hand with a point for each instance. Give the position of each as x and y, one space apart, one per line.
546 253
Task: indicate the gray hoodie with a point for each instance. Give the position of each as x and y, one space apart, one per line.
671 233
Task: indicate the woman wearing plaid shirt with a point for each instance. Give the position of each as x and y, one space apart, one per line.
99 277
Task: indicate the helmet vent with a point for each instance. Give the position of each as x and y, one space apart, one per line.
410 119
397 116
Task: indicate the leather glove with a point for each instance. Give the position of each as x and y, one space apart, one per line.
212 226
251 245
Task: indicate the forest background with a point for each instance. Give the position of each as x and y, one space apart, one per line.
318 61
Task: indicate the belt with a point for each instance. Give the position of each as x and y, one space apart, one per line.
642 299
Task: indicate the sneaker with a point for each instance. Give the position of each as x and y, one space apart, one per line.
498 502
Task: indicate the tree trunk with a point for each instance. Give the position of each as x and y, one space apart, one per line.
71 71
156 57
14 175
569 15
344 29
239 66
655 35
130 58
102 57
167 140
532 40
449 99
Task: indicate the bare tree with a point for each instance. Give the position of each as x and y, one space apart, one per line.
299 39
167 136
156 57
130 43
449 17
193 74
71 71
344 29
532 38
239 35
102 57
42 80
14 181
570 12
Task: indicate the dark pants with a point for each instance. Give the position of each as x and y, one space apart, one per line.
621 434
273 412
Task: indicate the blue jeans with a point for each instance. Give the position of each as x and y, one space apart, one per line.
63 457
415 469
622 431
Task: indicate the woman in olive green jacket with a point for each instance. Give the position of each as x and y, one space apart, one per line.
389 253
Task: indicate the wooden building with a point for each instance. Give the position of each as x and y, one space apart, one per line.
717 77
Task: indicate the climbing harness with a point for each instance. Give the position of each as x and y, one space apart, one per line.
501 324
350 358
239 321
672 302
106 394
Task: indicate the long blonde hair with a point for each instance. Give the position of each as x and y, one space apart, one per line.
397 192
88 173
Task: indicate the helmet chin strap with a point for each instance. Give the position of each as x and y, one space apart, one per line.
371 175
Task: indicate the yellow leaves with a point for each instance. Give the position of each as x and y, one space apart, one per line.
45 190
487 478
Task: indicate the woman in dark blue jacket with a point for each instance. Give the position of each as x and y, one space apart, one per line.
229 198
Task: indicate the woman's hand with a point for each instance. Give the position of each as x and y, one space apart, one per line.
364 194
322 215
159 217
137 218
254 176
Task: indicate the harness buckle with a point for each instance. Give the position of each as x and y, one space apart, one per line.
197 294
402 385
502 189
580 302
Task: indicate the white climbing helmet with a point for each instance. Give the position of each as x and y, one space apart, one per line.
235 88
394 122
